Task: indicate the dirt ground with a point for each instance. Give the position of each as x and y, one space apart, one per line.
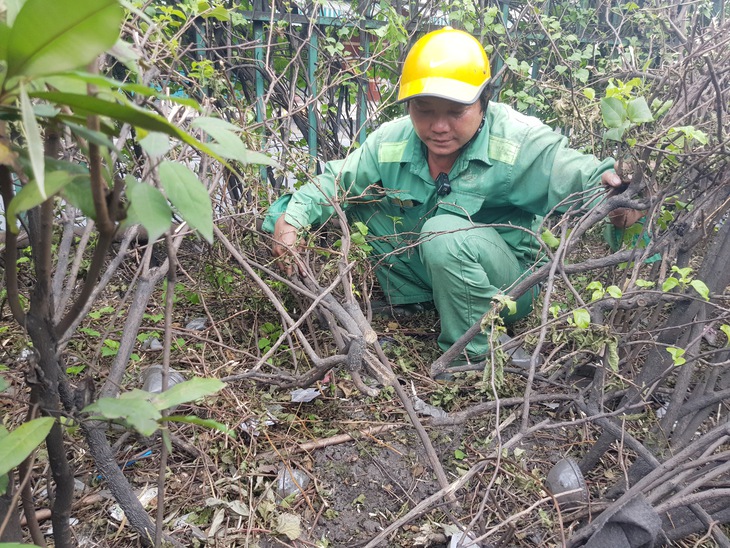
358 461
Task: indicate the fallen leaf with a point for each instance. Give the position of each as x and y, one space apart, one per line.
289 525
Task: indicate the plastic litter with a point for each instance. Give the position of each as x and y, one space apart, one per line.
290 481
152 378
463 540
152 344
518 356
420 406
49 530
26 355
146 496
251 426
565 481
197 324
304 395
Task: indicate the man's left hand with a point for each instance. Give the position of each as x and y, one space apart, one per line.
622 217
613 182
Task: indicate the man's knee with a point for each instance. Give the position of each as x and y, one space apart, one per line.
445 238
440 238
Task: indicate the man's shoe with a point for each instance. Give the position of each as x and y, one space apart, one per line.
517 355
459 365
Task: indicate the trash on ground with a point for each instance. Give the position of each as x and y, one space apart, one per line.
197 324
152 378
565 482
304 395
290 481
145 497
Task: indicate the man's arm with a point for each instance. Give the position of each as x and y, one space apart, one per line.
311 204
285 245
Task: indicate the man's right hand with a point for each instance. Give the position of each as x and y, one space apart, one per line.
285 247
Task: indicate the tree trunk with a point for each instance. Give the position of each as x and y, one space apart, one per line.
9 511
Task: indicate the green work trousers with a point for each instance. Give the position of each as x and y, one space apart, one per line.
465 265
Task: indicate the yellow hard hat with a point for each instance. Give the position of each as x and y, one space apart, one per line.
446 63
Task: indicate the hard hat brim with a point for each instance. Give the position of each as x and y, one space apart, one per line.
443 88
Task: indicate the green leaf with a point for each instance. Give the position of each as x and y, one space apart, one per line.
613 112
205 423
228 144
677 355
156 144
45 111
506 302
21 442
189 197
3 386
644 283
75 369
549 238
52 37
4 482
638 111
684 273
614 291
95 137
597 294
701 288
670 283
691 133
597 288
362 228
186 391
581 318
219 12
660 107
555 310
78 194
149 207
127 113
34 141
132 88
30 195
614 134
132 407
212 125
590 93
582 75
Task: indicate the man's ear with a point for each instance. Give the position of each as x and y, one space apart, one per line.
486 95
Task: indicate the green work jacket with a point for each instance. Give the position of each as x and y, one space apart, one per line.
514 172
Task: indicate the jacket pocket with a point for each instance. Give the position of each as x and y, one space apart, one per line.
466 204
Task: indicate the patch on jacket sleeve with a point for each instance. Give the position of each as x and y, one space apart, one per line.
391 152
503 150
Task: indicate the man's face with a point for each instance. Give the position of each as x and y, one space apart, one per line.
443 125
